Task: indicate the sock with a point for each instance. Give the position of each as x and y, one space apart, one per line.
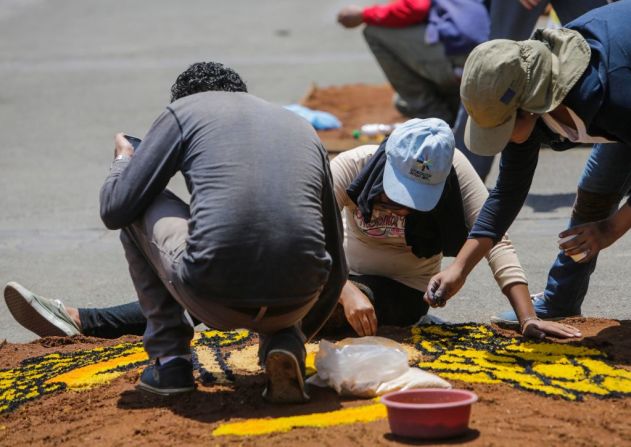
167 358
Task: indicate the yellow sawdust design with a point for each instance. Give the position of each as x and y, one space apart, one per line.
250 427
475 354
84 369
470 353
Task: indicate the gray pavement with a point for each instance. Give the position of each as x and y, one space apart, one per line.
75 72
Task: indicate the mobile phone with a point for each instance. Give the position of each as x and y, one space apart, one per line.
133 140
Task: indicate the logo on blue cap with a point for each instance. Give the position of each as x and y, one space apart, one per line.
422 169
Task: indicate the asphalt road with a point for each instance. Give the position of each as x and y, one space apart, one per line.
75 72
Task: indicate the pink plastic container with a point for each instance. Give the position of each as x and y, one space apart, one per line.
429 413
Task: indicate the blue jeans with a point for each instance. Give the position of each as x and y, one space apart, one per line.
510 20
605 180
114 321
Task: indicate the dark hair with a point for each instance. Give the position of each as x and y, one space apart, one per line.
206 77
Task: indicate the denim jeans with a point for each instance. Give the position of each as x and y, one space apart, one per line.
510 20
607 173
113 322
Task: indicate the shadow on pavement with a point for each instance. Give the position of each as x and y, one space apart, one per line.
545 203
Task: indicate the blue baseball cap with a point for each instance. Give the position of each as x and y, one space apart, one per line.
419 157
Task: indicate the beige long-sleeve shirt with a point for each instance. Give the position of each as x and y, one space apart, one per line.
378 247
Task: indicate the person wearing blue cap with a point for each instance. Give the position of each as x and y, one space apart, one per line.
406 203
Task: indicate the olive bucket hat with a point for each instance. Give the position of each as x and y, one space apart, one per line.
502 76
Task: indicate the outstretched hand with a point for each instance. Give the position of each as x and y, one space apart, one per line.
350 16
538 329
443 286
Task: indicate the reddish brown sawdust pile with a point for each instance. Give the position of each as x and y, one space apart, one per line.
354 105
119 415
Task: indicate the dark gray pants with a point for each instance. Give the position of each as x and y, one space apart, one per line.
154 246
424 78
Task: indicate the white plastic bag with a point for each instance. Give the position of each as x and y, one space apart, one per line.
411 379
368 367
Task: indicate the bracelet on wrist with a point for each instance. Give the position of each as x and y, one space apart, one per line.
526 320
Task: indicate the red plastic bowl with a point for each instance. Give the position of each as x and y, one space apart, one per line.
429 413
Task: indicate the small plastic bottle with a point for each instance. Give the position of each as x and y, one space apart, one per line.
373 132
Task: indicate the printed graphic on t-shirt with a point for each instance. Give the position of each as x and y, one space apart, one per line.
382 224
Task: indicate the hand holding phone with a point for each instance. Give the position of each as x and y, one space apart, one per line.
134 141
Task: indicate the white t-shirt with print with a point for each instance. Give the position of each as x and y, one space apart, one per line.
378 247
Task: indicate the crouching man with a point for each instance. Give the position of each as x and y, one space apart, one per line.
259 246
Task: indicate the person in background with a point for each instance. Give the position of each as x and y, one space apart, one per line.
407 203
421 46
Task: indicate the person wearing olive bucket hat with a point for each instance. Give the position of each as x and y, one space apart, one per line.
560 88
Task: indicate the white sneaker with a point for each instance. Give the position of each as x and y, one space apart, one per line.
41 315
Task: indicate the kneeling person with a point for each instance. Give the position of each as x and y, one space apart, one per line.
408 203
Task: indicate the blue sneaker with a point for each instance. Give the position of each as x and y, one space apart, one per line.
174 377
542 309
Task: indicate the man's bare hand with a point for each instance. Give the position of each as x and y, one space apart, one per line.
350 16
588 239
358 310
122 146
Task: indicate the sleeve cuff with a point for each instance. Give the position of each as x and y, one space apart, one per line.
475 234
119 165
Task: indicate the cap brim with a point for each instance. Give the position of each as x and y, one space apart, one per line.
488 141
409 193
